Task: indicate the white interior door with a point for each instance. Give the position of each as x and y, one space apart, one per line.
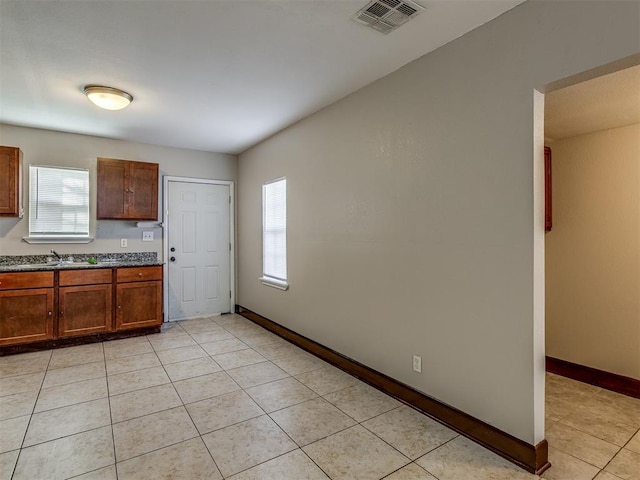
198 243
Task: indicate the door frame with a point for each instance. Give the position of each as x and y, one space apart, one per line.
165 235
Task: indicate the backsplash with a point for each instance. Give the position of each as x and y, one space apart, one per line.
150 257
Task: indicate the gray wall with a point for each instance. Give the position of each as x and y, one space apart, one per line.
415 213
45 147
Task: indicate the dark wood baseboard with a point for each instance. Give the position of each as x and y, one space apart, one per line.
593 376
532 458
73 341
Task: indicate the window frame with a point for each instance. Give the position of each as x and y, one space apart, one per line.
267 279
58 236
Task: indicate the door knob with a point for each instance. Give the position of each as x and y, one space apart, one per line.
173 259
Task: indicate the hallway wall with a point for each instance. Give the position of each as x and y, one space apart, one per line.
593 252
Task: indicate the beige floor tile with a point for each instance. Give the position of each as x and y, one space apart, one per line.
634 443
626 465
61 422
187 460
213 336
106 473
256 374
312 420
247 444
24 366
294 465
362 402
280 394
565 467
66 457
126 347
411 432
238 359
13 431
198 325
151 432
462 459
77 373
7 464
327 380
70 356
355 453
296 363
21 357
166 341
17 405
205 386
181 354
275 350
256 339
556 409
599 426
21 383
132 363
620 409
224 346
605 476
143 402
221 411
581 445
137 380
191 368
411 472
70 393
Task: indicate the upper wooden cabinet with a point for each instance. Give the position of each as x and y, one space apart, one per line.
127 190
10 182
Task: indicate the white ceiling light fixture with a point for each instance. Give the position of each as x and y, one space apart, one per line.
108 98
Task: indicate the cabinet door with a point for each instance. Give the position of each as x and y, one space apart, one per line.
26 316
143 191
139 305
10 182
112 189
84 310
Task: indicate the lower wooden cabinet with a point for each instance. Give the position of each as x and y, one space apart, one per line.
26 315
139 305
84 310
35 308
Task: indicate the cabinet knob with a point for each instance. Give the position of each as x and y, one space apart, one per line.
61 313
140 274
49 313
119 306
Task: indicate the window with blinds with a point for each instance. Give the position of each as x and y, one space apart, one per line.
274 234
58 202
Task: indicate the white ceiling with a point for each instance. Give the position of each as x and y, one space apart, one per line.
214 75
610 101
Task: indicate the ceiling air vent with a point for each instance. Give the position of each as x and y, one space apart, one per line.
387 15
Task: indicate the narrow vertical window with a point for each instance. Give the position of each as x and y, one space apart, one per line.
274 234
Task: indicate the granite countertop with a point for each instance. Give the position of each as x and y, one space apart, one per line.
75 265
38 263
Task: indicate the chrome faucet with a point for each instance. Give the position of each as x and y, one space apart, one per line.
56 254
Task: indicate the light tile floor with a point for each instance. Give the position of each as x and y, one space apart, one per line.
223 398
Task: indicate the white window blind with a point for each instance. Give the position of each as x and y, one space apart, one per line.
274 233
58 202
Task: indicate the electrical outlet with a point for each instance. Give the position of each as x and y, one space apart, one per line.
417 364
123 242
147 236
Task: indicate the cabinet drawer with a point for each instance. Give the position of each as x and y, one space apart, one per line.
85 277
10 281
139 274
